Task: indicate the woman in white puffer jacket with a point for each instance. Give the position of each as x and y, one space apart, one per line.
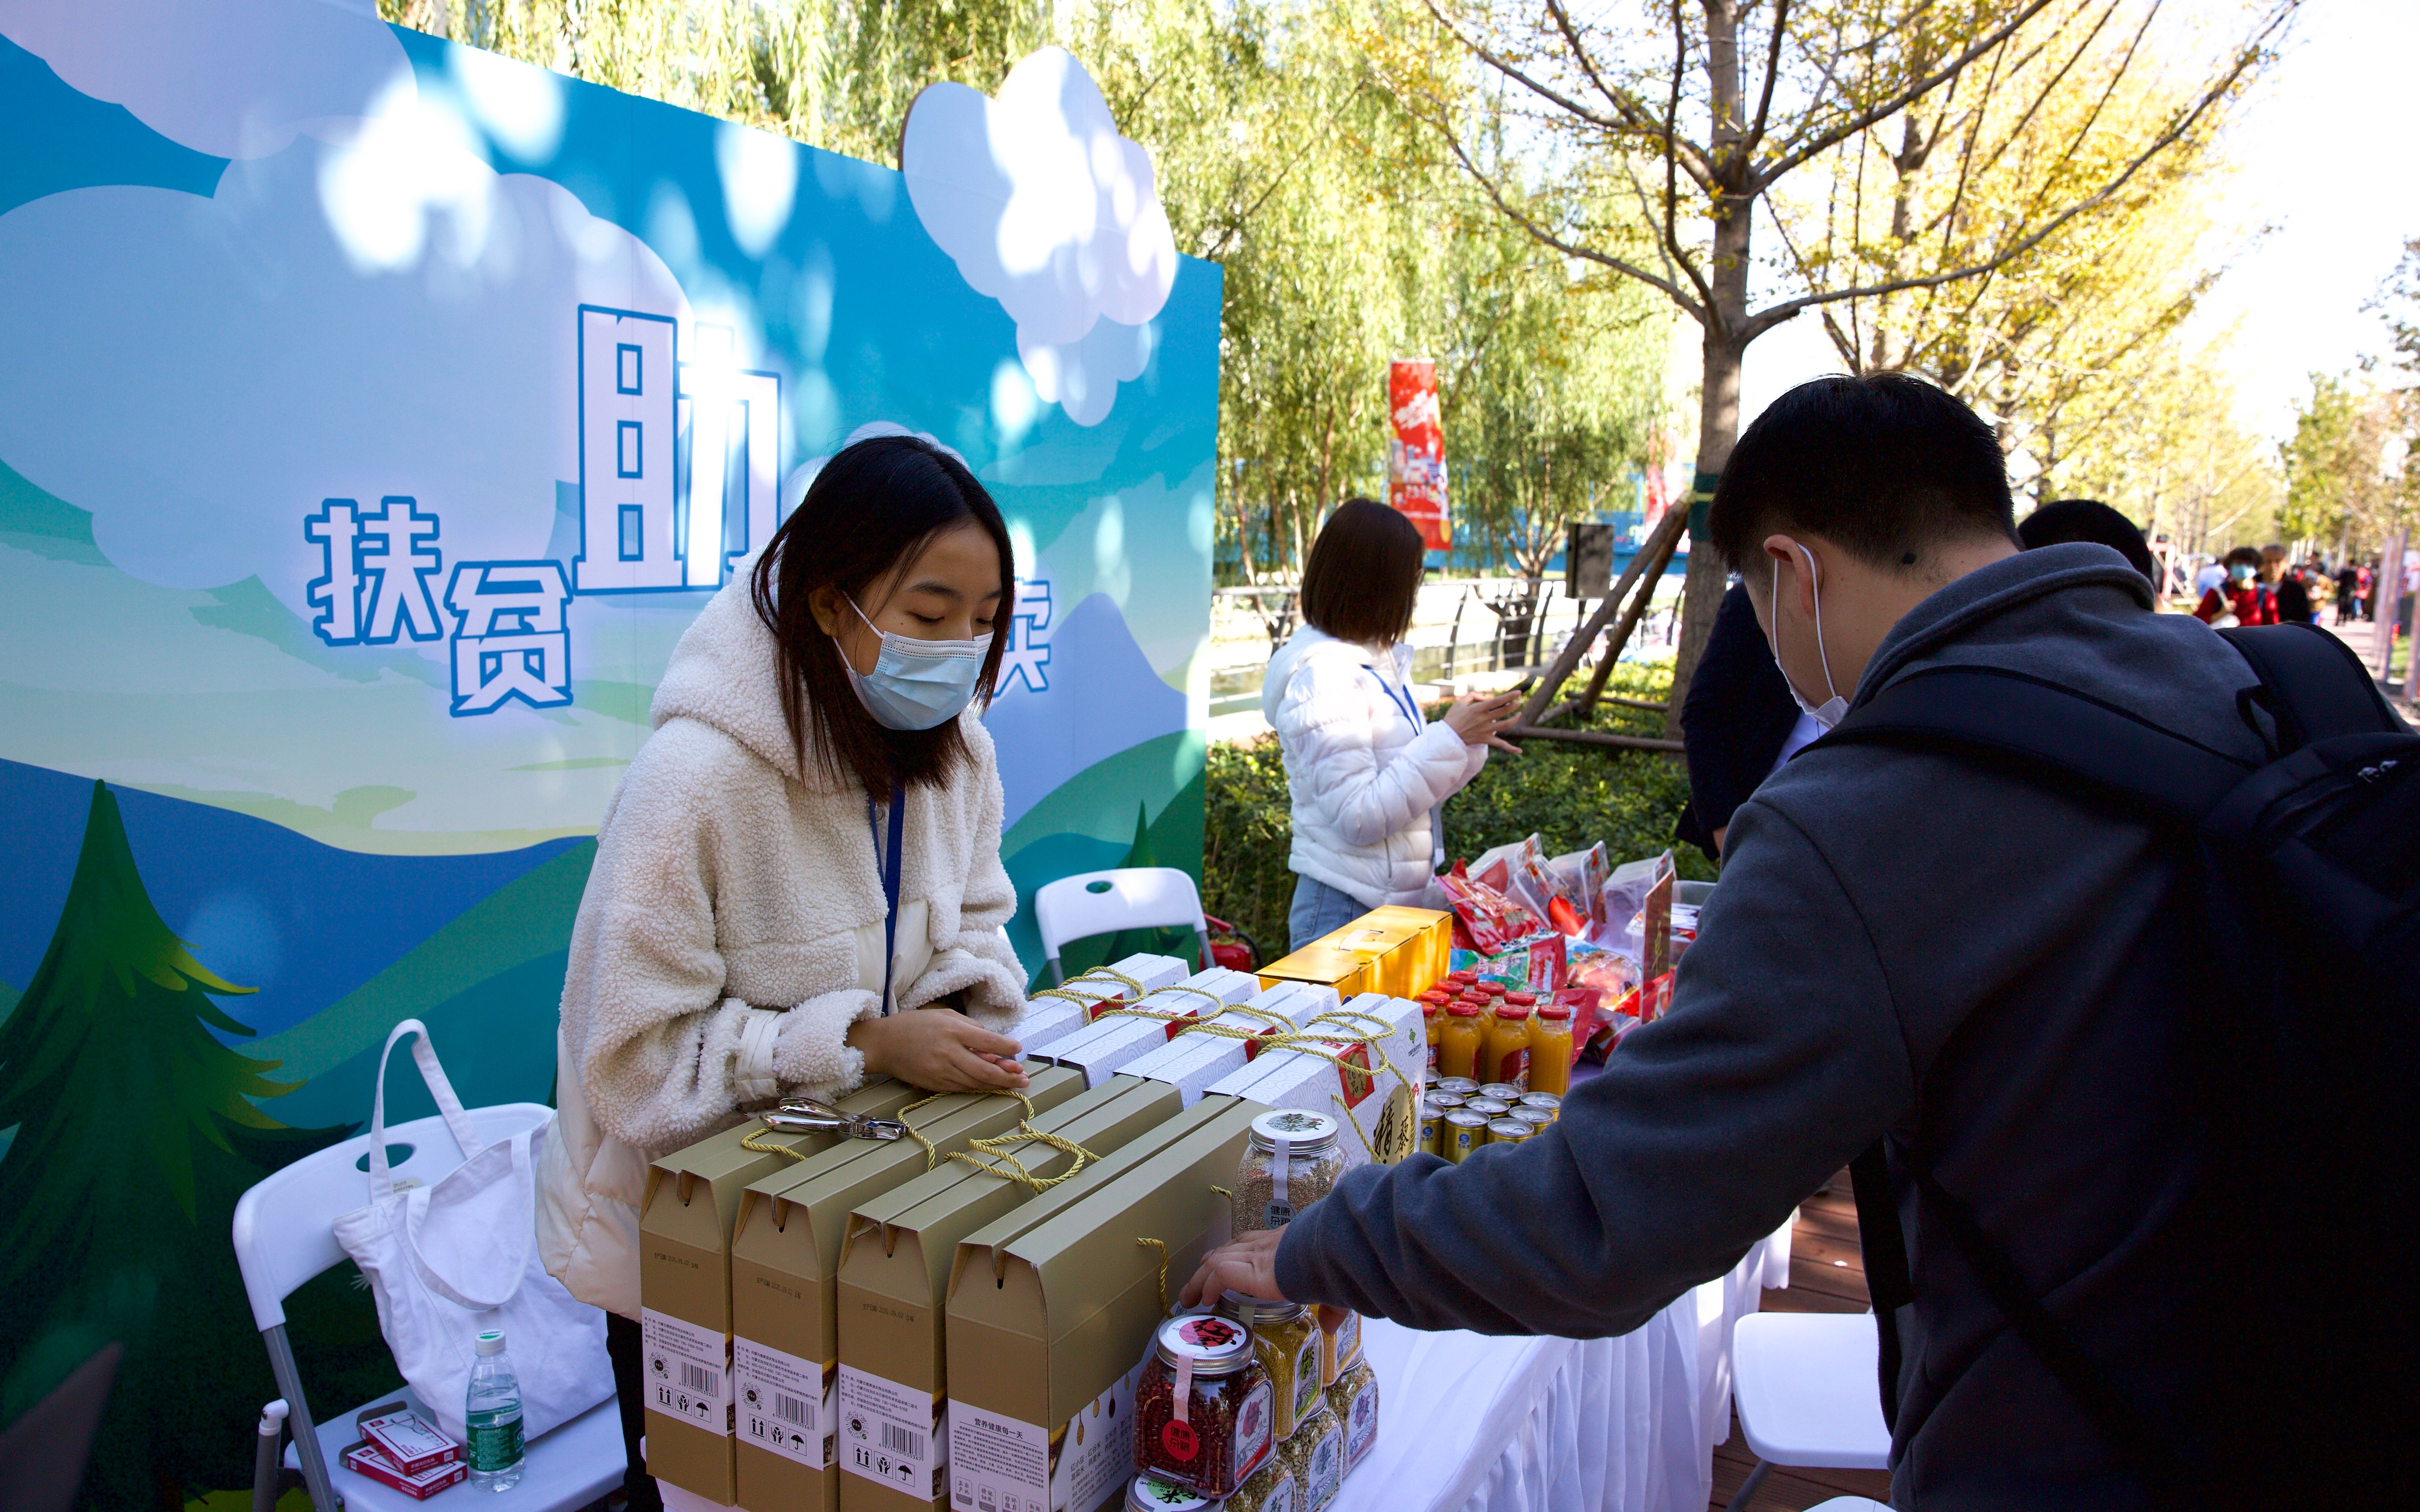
1367 774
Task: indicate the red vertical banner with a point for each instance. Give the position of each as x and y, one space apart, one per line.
1416 457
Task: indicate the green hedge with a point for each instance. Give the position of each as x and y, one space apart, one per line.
1569 795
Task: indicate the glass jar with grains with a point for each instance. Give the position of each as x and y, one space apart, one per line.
1270 1489
1292 1160
1149 1493
1316 1457
1353 1402
1203 1417
1286 1337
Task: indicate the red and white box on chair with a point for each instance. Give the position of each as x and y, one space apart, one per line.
364 1459
407 1442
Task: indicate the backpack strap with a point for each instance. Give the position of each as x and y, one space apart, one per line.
2319 687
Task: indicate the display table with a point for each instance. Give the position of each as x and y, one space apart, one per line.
1468 1423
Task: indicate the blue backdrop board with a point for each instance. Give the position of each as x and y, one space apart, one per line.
376 413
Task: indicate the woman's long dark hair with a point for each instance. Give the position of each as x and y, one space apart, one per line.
866 518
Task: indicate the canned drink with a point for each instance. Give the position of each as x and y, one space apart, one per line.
1504 1092
1487 1107
1455 1086
1534 1117
1509 1131
1462 1133
1432 1121
1546 1102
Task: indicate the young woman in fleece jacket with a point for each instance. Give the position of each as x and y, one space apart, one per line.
730 945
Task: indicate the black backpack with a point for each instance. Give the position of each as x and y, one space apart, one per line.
2302 879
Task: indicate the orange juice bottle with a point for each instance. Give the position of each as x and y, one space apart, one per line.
1458 1041
1504 1052
1550 1051
1433 1004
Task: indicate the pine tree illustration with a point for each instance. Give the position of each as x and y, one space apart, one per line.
134 1138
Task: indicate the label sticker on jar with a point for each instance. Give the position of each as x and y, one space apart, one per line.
1254 1423
1325 1471
1361 1423
1280 1498
785 1403
688 1370
1307 1398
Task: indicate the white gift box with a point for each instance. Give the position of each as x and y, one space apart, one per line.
1193 1060
1050 1020
1299 1079
1107 1046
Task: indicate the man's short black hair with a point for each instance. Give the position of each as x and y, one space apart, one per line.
2088 519
1883 466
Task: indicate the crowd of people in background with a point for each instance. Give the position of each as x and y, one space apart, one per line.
2256 585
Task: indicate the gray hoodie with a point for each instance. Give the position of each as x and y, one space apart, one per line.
1901 945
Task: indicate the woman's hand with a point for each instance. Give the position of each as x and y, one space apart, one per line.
1249 1265
1477 717
939 1050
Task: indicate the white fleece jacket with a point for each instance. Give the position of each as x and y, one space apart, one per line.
732 933
1367 774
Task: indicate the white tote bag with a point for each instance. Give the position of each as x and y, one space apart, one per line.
448 1260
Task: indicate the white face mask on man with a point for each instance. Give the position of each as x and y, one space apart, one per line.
1835 708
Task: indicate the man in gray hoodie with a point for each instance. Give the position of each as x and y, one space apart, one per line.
1960 960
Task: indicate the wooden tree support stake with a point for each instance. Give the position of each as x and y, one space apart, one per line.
1591 737
1660 544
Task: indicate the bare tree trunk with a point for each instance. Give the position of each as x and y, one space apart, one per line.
1702 591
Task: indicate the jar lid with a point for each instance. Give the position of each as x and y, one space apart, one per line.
1217 1345
1444 1101
1540 1100
1465 1010
1524 998
1434 998
1540 1116
1304 1132
1509 1128
1149 1493
1510 1010
1492 987
1454 1084
1254 1311
1502 1091
1465 975
1493 1107
1561 1015
1464 1119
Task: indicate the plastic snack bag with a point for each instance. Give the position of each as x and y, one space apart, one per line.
1581 875
1483 916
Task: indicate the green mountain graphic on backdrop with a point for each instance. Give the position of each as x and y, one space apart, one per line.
136 1131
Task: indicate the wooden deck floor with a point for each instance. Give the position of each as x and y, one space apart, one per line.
1826 1275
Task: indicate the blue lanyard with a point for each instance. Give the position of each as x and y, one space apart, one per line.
886 859
1403 702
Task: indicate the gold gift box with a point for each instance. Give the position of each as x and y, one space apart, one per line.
1399 951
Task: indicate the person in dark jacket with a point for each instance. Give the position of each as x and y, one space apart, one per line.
1938 953
1738 723
2088 519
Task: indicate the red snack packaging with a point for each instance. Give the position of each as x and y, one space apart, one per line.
1485 920
365 1459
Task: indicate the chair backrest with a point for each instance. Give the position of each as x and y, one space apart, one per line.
1103 903
284 1226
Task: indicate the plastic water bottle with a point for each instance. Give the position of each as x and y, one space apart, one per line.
491 1408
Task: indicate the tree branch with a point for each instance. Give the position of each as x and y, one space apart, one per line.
1672 291
1772 72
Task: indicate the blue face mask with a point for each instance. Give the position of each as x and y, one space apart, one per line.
915 685
2240 573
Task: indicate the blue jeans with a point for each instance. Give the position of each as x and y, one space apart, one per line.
1319 910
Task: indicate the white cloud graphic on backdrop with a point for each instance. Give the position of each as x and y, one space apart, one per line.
220 79
164 388
1045 207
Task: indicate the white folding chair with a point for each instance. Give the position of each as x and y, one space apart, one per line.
1807 1393
1103 903
285 1235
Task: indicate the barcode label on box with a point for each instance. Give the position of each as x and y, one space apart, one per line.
888 1434
687 1371
784 1403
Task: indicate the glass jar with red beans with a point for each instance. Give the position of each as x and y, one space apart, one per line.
1204 1414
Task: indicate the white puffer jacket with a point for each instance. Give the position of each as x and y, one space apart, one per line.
1366 774
732 933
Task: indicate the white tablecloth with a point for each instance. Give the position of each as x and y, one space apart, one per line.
1472 1424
